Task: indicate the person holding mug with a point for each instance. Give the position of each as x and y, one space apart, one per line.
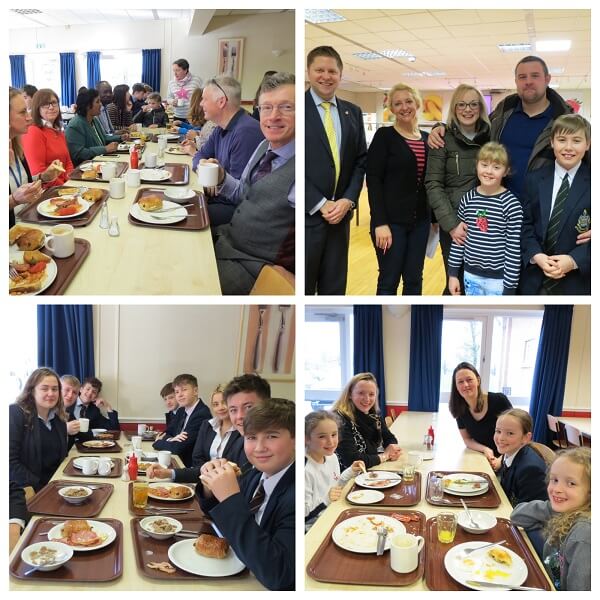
363 433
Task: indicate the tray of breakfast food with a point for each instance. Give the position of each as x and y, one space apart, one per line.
475 488
167 174
153 207
74 468
386 489
94 446
92 171
167 496
71 499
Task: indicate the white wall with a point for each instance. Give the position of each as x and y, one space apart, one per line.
140 348
396 349
262 34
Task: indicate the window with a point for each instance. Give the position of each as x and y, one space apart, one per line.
501 344
118 67
21 330
43 71
328 365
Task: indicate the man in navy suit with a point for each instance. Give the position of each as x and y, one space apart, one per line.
257 515
180 436
557 210
168 395
335 159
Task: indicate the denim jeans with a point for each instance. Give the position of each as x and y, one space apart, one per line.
475 285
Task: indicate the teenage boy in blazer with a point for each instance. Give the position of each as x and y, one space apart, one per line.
333 183
553 260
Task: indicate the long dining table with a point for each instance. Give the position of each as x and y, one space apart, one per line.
131 579
143 260
448 454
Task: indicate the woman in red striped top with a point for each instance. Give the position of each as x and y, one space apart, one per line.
400 215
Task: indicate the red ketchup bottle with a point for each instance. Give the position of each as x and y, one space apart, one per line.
132 468
430 432
134 158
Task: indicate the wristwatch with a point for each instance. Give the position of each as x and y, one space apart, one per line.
352 204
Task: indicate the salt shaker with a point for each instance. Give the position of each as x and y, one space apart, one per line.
104 216
114 227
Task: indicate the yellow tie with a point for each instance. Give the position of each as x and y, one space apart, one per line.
330 133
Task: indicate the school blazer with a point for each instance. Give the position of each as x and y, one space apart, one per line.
525 479
536 200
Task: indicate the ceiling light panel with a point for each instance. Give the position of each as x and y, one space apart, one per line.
322 15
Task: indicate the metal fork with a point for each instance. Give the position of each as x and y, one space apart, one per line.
162 210
159 218
13 273
470 550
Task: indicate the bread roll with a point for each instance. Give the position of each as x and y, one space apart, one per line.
16 232
211 546
91 174
150 203
179 491
32 239
92 195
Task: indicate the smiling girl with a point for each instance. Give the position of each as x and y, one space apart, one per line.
323 482
566 518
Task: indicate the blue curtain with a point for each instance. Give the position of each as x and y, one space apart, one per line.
368 346
425 357
17 70
68 86
549 376
93 69
66 339
151 68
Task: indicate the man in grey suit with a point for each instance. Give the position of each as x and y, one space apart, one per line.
262 229
335 159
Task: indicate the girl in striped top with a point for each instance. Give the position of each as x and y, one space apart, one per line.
491 253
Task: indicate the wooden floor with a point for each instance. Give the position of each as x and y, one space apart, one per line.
362 263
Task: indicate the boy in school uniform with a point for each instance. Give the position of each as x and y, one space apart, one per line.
257 514
557 209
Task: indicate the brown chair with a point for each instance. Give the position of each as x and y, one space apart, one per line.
586 439
558 429
389 421
573 435
547 454
29 493
274 280
393 413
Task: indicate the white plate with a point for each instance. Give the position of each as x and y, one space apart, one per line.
51 270
150 455
102 529
179 194
480 567
98 444
365 496
166 218
183 555
174 150
77 461
154 174
359 534
365 480
45 207
477 486
169 485
172 136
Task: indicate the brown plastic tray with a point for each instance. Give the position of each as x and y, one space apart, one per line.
84 450
196 221
95 566
180 174
153 137
48 501
77 174
438 579
67 268
490 499
410 492
31 215
115 435
71 471
332 564
158 550
192 503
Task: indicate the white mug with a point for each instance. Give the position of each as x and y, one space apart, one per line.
84 425
141 429
109 170
89 466
404 552
208 174
104 467
133 178
150 160
61 242
136 442
138 126
117 187
164 458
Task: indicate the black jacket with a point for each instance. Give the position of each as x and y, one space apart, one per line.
525 479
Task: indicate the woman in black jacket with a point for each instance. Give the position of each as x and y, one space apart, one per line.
400 216
363 434
37 430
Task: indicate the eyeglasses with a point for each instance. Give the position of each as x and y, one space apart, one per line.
49 105
267 109
463 105
213 82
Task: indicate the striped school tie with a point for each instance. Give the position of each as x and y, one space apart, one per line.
331 138
553 226
257 499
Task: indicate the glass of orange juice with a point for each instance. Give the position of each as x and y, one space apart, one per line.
140 494
446 527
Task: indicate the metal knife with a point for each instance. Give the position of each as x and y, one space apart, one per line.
262 308
282 309
489 584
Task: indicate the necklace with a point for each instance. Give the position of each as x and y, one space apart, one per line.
413 135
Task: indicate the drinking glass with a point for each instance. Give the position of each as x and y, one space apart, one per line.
408 472
436 489
446 527
140 494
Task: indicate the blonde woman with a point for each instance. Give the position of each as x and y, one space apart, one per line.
363 432
400 216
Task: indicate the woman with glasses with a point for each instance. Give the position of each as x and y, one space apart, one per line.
44 143
451 170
